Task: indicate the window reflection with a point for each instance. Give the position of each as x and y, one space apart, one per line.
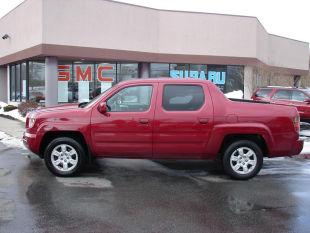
24 81
127 71
37 81
105 77
17 83
12 83
82 81
159 70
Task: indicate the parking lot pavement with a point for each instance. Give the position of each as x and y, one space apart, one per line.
151 196
14 128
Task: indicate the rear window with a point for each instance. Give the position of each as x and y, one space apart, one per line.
263 93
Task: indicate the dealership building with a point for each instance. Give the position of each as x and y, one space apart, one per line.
56 51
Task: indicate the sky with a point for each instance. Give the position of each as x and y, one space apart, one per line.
288 18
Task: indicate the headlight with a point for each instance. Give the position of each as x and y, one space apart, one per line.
32 120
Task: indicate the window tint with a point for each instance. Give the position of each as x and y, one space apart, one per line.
299 96
263 93
131 99
183 97
282 94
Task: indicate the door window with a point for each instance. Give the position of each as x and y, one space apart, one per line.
263 93
183 97
299 96
131 99
283 95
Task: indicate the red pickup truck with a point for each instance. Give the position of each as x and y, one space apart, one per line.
164 118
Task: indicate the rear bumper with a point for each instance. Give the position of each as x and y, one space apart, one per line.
297 146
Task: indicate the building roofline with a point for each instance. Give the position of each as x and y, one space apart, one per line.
180 11
208 13
13 9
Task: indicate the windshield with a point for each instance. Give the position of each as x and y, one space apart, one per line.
307 90
94 100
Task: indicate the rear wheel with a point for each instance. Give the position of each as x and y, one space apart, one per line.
242 160
64 157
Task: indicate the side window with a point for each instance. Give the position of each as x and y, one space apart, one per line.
299 96
131 99
263 93
282 94
183 97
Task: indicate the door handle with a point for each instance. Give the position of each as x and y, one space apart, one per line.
203 120
144 121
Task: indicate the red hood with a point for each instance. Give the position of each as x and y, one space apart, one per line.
57 108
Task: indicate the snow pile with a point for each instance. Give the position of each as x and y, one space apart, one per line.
2 104
306 149
11 141
235 94
14 113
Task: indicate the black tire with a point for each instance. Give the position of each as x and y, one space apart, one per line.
79 156
232 150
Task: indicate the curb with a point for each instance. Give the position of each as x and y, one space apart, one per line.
9 117
302 156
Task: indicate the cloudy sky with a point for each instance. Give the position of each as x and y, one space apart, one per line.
282 17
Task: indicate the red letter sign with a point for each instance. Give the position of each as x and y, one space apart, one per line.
83 76
100 76
64 73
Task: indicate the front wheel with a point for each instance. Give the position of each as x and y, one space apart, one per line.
242 160
64 157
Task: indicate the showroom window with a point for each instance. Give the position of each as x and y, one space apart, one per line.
17 83
12 83
234 79
127 71
81 81
228 78
24 81
37 81
159 70
18 87
67 88
105 77
84 75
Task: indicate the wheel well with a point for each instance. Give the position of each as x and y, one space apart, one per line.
49 136
258 139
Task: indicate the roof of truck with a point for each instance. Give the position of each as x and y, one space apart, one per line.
166 79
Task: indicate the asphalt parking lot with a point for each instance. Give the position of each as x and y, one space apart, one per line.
151 196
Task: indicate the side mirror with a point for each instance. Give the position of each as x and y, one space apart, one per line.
103 108
307 101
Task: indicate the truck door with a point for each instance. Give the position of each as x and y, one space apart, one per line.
183 120
300 101
127 129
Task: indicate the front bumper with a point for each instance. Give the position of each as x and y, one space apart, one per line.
29 141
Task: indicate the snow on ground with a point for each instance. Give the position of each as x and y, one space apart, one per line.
10 141
85 182
306 149
14 113
235 94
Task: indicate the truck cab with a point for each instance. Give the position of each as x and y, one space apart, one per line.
163 118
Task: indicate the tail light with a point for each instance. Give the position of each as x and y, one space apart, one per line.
296 121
